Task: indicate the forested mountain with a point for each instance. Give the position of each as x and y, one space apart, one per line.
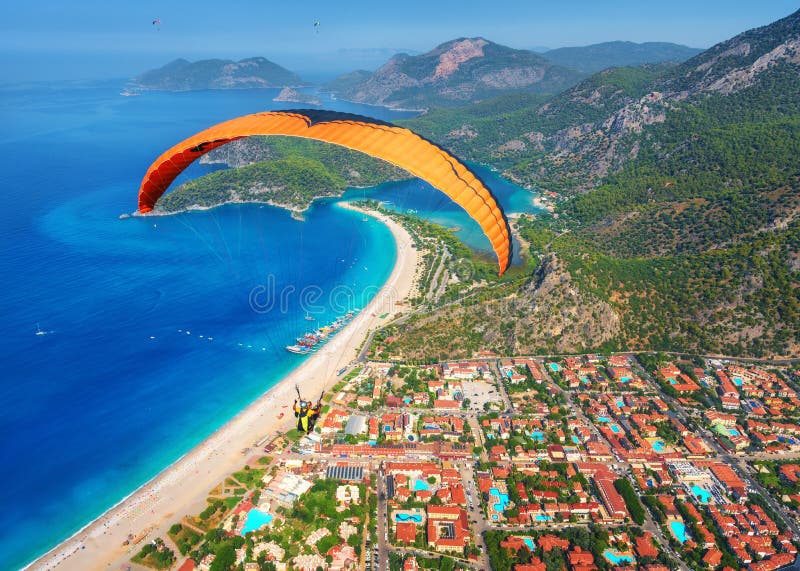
678 227
458 72
183 75
597 57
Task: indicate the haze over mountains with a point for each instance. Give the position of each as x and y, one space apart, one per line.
457 72
597 57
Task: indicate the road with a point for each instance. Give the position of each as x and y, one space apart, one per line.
477 518
382 530
501 387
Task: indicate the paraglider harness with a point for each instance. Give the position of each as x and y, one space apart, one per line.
305 413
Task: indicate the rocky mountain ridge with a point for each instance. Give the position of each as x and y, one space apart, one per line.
454 73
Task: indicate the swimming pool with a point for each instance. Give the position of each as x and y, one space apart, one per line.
529 543
555 367
603 419
615 557
737 381
678 529
403 517
733 432
701 494
615 429
575 439
255 520
625 379
658 445
420 485
501 501
672 381
542 517
537 435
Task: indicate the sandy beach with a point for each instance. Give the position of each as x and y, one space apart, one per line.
181 489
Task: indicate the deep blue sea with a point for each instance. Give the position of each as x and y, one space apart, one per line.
152 337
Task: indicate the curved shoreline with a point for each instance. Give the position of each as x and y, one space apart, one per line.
182 487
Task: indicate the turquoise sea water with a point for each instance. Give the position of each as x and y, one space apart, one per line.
157 329
152 340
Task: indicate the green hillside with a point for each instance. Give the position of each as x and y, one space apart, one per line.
284 171
678 225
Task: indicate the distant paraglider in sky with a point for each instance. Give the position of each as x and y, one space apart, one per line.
316 27
157 24
396 145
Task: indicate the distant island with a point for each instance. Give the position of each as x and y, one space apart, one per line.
293 96
281 171
250 73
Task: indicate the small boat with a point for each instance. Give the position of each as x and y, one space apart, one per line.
39 331
309 318
297 349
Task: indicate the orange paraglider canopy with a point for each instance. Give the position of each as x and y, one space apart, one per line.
393 144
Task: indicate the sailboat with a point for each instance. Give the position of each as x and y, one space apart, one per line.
309 318
39 330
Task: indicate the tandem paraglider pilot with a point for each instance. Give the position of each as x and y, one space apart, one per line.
306 414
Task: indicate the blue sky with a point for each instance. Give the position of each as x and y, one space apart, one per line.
110 35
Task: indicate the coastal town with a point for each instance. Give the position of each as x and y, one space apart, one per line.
584 462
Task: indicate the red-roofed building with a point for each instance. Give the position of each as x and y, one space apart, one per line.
713 557
644 546
514 543
581 560
549 542
188 565
448 529
406 532
615 505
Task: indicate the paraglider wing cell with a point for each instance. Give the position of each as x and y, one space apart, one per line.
399 146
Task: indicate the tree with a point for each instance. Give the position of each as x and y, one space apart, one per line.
225 558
